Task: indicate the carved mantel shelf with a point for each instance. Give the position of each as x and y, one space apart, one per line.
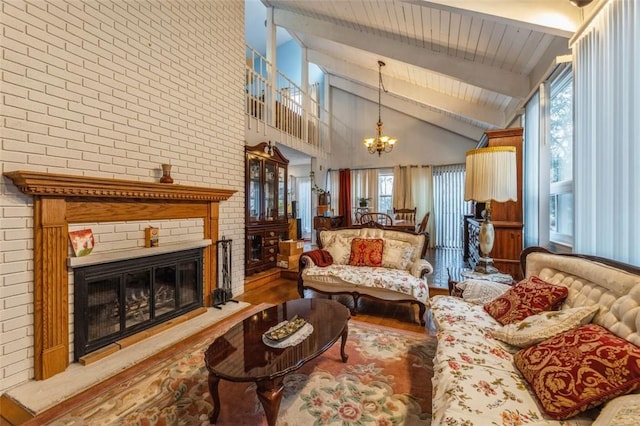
57 185
60 200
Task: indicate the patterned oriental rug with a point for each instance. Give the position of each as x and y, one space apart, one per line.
386 381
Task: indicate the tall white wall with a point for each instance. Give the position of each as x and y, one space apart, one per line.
354 118
114 88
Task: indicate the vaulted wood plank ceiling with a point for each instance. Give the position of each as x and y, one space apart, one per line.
464 65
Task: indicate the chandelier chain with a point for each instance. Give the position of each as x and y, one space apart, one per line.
379 143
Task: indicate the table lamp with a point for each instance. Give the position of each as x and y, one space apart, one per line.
490 176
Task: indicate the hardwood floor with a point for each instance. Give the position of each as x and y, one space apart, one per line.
399 315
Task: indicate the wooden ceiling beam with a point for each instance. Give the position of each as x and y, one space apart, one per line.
484 76
554 17
490 116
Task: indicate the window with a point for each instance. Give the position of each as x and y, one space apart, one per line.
548 168
561 160
385 192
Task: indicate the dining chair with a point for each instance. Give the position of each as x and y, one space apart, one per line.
358 218
423 223
359 211
405 214
381 218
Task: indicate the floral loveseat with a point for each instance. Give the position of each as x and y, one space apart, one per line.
368 260
573 361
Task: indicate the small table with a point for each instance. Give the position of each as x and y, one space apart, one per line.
240 355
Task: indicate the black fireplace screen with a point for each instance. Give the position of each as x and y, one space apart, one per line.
117 299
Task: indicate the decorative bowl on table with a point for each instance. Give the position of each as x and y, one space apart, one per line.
286 329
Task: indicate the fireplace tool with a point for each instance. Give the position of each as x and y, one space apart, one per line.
223 293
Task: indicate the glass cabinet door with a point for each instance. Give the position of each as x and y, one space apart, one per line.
270 191
254 206
282 188
254 247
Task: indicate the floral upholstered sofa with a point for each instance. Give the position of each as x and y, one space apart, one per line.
511 360
368 260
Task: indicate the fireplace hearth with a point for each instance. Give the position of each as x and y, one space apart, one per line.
117 299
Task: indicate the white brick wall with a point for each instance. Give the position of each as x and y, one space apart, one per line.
114 89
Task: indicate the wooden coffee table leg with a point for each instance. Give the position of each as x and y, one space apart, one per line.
345 334
213 390
270 394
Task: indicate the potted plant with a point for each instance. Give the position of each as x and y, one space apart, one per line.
324 197
364 201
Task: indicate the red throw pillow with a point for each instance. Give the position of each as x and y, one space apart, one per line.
366 252
320 257
579 369
529 297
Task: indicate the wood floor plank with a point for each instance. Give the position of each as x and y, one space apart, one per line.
399 315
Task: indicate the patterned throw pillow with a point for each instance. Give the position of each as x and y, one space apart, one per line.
529 297
579 369
396 254
340 250
536 328
366 252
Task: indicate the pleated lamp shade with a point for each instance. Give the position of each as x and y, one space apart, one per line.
491 174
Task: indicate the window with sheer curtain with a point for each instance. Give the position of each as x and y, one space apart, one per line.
413 188
561 159
381 186
607 131
385 192
365 183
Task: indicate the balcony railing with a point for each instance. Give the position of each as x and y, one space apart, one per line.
285 106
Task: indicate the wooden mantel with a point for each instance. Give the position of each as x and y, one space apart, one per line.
60 200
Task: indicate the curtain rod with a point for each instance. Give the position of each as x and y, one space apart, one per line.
374 168
358 168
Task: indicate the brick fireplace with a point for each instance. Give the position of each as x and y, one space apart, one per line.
61 200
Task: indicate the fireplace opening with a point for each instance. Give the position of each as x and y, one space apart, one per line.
117 299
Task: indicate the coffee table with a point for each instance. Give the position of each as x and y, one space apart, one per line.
240 355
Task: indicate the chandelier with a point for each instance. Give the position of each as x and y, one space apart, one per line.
379 143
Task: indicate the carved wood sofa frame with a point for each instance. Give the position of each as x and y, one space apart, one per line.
398 297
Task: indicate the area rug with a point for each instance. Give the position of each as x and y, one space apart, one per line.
386 381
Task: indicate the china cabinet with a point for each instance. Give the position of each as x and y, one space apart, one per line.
266 206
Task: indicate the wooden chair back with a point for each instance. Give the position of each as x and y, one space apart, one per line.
381 218
405 214
423 223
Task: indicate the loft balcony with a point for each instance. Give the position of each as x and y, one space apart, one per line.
280 110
